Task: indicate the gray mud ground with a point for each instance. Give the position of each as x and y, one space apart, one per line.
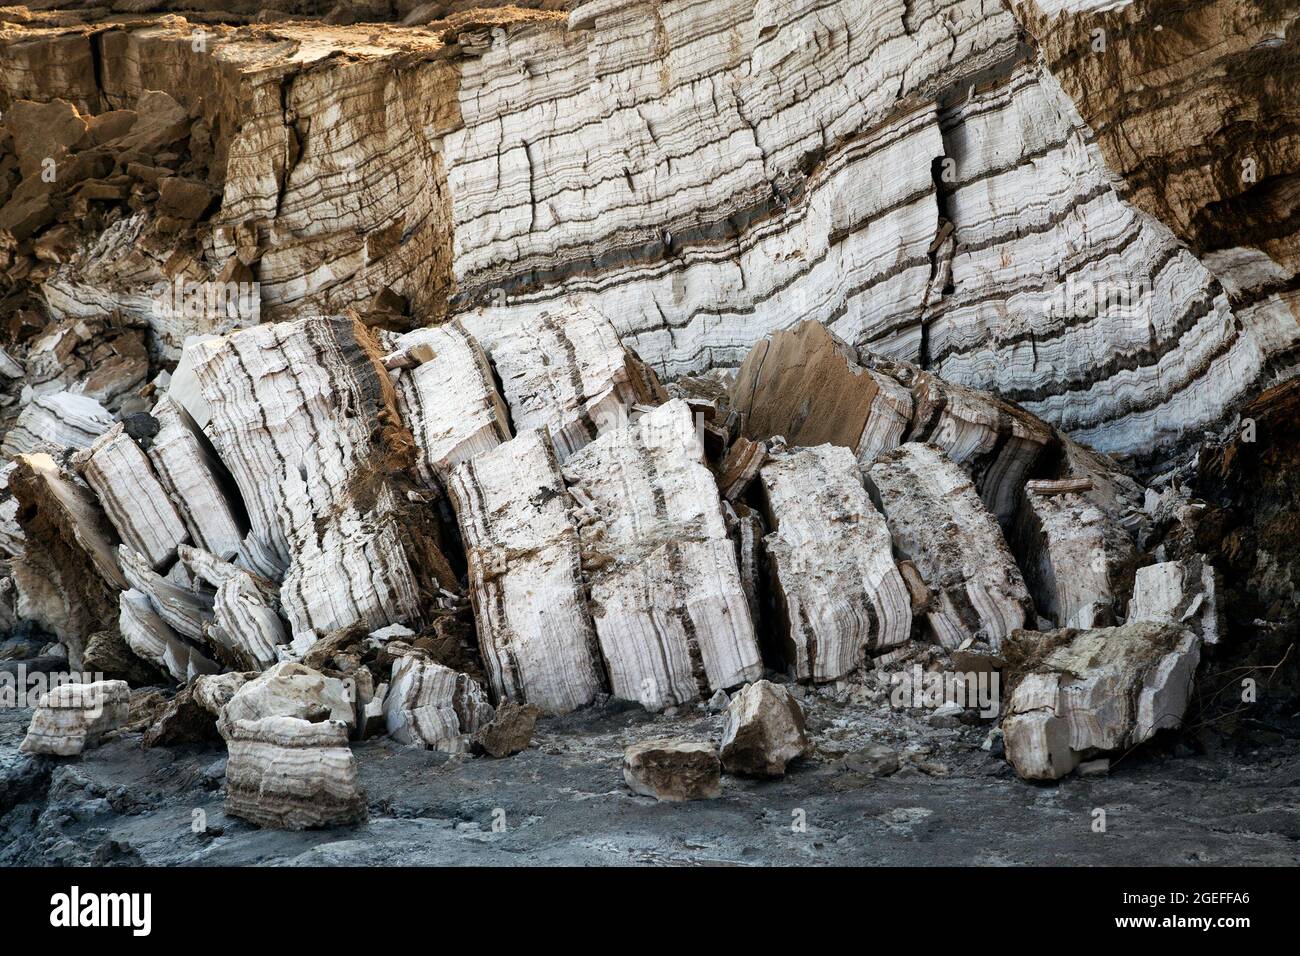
564 802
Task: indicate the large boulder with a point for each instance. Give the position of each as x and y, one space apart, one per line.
765 730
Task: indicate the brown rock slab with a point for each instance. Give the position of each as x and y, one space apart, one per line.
510 732
673 769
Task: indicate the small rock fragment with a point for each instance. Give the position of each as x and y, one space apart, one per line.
510 732
873 760
673 769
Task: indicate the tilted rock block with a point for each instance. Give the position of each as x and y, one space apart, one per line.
446 396
196 481
839 592
247 621
68 575
245 630
291 774
72 718
939 524
132 497
150 637
666 596
806 385
434 706
206 567
565 371
995 442
765 730
1078 561
810 388
1185 592
187 610
673 770
57 421
525 576
295 407
1096 691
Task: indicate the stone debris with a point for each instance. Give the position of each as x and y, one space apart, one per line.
873 760
1185 592
673 770
509 732
1095 692
192 715
73 718
513 393
434 706
765 730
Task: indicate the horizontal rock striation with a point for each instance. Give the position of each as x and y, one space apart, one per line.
291 774
72 718
955 184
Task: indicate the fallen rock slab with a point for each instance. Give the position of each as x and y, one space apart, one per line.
839 592
1185 592
72 718
765 730
665 590
673 770
1088 693
940 524
510 732
1078 561
434 706
291 774
525 576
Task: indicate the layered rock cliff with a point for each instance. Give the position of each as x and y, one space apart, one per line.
522 357
1098 225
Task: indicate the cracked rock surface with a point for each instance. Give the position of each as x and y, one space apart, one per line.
451 433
